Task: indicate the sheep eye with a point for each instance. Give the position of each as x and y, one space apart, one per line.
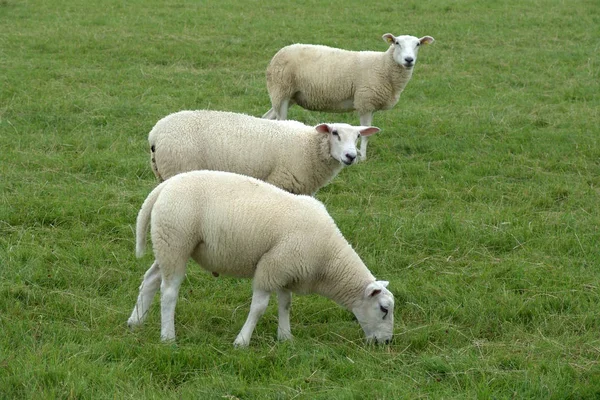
384 310
418 44
334 133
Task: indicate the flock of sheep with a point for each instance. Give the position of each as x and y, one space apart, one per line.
235 191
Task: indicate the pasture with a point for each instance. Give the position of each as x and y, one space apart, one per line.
479 201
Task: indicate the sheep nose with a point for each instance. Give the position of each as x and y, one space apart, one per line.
409 60
350 157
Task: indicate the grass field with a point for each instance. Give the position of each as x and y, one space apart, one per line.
479 202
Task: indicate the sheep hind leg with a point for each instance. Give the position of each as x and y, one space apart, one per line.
366 119
169 290
284 300
260 301
148 289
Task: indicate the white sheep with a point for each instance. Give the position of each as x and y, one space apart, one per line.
242 227
288 154
322 78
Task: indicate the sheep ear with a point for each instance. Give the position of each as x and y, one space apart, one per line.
373 289
388 37
426 40
323 128
368 130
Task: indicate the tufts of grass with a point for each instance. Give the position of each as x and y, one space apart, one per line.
478 202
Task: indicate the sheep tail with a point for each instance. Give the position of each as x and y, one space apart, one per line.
143 220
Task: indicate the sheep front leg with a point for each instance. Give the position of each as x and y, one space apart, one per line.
282 111
148 289
284 300
260 301
271 114
366 119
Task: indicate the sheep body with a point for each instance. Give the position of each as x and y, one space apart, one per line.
305 74
322 78
293 156
242 227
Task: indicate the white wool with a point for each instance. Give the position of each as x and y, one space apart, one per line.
288 154
242 227
322 78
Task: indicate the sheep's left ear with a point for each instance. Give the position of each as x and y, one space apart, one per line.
426 40
388 37
323 128
368 130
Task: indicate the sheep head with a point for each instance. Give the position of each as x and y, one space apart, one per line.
343 138
406 48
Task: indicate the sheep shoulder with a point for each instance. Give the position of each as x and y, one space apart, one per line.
308 166
381 84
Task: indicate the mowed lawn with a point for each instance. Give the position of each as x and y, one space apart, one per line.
479 201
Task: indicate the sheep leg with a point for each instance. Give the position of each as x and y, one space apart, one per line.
279 110
366 119
169 290
148 288
282 110
260 301
284 300
270 114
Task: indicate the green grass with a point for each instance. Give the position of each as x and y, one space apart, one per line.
479 202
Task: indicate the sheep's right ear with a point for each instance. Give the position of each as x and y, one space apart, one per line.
323 128
388 37
368 130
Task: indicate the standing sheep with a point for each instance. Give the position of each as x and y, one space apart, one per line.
321 78
239 226
288 154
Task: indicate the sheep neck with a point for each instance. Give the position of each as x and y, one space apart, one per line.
324 167
398 75
345 278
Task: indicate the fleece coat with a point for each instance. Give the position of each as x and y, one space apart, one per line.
287 154
238 226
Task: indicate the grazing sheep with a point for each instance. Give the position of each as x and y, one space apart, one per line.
322 78
243 227
288 154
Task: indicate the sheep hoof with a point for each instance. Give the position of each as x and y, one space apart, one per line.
240 343
132 324
282 337
215 274
167 339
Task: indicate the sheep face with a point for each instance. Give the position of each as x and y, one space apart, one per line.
343 138
375 312
406 48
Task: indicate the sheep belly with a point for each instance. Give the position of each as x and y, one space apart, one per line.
225 262
321 103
